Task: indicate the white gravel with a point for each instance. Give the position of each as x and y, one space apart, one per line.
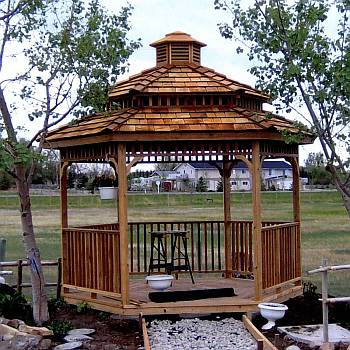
196 334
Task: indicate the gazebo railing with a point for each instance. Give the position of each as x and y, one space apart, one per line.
205 244
91 260
91 253
281 259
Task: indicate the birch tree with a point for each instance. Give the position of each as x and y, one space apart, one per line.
302 53
57 58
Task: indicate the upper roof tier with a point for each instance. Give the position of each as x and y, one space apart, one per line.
182 79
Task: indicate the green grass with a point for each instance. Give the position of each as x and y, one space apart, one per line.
325 224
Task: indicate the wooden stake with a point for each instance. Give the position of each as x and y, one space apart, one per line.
324 301
227 217
257 241
123 223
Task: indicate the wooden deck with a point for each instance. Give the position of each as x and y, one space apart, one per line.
139 301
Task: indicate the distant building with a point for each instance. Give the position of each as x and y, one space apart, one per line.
275 174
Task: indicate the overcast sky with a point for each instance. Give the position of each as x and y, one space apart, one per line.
152 19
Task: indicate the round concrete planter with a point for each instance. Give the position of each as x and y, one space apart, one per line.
108 192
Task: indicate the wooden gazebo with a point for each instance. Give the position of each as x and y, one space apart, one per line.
180 111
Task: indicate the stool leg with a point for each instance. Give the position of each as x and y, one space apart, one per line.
151 257
164 256
173 248
187 260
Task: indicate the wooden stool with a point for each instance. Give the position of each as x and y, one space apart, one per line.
177 236
158 244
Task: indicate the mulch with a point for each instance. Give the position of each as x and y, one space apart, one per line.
117 333
110 333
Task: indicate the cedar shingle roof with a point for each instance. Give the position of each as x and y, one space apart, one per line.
188 78
173 119
181 78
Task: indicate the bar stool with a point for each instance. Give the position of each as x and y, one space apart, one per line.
177 236
158 244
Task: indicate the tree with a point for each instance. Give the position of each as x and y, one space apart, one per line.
303 66
165 166
201 185
315 168
220 186
70 54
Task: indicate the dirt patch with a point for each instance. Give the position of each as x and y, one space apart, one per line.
117 333
110 333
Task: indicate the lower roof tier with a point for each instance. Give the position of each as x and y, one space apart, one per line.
160 122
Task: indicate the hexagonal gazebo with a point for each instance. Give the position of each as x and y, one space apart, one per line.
180 111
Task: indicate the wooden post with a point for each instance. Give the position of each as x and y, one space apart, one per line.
227 217
256 192
2 250
59 278
123 223
63 190
64 204
19 275
296 188
324 301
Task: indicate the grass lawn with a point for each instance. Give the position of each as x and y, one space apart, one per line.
325 224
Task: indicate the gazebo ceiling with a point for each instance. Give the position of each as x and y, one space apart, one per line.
179 100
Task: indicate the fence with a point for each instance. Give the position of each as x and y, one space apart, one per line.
20 264
325 300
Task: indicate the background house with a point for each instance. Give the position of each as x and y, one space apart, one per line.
276 174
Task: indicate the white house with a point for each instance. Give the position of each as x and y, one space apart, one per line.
275 174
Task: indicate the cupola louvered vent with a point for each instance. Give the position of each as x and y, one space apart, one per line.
196 54
180 52
178 48
162 55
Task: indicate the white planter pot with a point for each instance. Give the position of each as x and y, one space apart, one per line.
108 192
159 282
272 312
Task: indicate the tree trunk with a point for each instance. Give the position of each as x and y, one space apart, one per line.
40 310
344 194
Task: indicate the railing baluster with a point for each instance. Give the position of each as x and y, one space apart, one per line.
205 247
138 247
131 235
212 246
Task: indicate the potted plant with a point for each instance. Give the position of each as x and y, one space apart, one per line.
107 186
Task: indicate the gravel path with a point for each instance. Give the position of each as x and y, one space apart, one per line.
196 334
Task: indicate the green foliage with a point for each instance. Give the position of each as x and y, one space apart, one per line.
14 305
85 46
103 315
46 168
55 304
60 328
299 63
5 181
201 185
83 308
316 170
220 186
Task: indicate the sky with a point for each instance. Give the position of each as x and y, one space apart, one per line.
152 19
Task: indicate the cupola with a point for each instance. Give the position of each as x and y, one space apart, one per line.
178 48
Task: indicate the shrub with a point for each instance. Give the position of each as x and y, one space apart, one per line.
83 308
60 327
14 305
